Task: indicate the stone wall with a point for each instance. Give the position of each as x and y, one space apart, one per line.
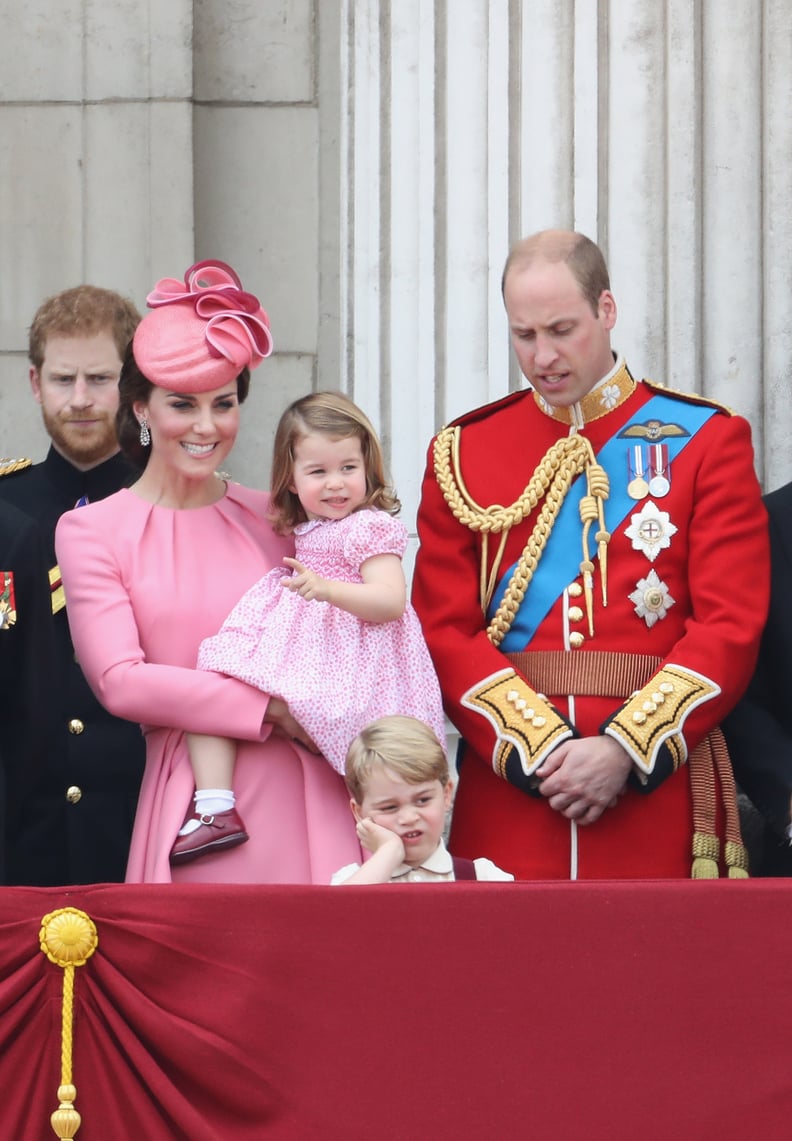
365 165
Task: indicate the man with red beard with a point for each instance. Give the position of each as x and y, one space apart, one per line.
75 824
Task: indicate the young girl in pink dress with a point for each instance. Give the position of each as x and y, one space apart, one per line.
337 639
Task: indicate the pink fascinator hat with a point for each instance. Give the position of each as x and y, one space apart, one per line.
201 332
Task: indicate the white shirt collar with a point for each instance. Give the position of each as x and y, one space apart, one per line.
439 862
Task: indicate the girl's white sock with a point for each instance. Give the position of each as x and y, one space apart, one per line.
209 801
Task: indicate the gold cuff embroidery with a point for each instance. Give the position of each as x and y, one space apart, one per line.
656 714
520 717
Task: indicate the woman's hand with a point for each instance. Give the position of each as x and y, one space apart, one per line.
279 715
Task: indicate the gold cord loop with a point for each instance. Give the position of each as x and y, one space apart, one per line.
549 484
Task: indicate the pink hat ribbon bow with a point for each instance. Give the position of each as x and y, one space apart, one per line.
233 316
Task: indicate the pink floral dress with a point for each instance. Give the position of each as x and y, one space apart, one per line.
336 672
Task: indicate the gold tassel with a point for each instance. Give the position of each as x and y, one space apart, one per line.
68 938
588 514
736 860
705 857
599 488
603 538
587 570
704 869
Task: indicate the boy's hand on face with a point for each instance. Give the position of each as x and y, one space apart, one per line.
374 837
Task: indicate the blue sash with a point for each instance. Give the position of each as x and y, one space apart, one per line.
560 561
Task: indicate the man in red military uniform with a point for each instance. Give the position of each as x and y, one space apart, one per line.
592 582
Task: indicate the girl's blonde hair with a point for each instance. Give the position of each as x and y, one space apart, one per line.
327 414
405 745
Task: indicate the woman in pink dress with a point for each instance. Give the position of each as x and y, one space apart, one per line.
337 639
153 570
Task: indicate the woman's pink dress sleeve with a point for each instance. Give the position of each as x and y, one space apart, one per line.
108 646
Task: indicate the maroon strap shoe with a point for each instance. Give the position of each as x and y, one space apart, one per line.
222 830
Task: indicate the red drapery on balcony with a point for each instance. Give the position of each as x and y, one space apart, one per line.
552 1012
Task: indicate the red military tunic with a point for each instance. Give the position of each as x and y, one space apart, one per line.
686 576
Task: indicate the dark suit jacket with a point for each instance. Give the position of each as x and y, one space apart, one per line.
75 825
26 656
759 731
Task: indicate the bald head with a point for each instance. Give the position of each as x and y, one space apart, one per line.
584 258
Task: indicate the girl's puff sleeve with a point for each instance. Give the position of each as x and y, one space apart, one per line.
107 644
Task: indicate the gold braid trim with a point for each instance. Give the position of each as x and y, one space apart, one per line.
689 397
520 718
8 467
551 481
656 714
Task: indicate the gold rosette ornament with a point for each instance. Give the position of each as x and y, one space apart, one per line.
68 938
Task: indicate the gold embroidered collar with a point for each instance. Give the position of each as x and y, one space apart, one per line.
612 391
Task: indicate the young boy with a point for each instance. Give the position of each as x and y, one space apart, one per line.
397 774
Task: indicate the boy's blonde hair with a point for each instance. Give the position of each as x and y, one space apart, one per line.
405 745
325 414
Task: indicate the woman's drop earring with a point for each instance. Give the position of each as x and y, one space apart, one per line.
145 434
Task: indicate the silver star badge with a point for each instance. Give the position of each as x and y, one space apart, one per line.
651 599
650 530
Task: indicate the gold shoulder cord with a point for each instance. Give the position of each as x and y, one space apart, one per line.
8 467
551 481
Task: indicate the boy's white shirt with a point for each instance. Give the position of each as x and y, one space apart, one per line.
438 867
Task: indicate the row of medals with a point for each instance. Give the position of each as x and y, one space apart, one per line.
649 470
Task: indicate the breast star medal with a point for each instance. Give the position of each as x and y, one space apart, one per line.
650 530
651 599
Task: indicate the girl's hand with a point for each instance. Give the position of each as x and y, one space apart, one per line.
279 715
373 837
306 583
